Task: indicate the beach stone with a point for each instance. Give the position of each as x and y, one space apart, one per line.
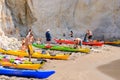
9 43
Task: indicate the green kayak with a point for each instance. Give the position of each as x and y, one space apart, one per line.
61 48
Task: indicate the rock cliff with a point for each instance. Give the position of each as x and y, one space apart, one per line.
62 16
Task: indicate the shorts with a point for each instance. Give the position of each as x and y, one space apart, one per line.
30 50
48 39
90 37
80 43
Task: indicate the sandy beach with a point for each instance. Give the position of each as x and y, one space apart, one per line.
101 64
71 23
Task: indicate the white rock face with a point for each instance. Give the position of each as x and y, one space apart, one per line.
9 43
6 25
61 16
6 22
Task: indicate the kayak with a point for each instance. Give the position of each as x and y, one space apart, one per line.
20 64
37 54
61 48
93 43
2 50
64 41
112 42
41 74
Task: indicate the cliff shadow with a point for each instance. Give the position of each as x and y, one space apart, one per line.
111 69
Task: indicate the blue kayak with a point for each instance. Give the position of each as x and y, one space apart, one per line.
41 74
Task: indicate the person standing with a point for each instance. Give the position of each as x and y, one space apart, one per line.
27 43
86 37
71 33
90 35
48 36
63 34
29 32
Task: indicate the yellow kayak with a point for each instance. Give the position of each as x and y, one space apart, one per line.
113 42
22 66
2 50
36 54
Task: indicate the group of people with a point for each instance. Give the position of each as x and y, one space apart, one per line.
78 41
87 38
29 39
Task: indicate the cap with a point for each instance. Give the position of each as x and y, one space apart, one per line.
48 29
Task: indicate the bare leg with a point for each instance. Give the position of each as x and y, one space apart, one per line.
30 52
29 57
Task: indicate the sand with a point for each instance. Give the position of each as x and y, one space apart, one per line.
88 67
101 64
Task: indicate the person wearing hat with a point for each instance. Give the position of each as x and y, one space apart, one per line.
48 36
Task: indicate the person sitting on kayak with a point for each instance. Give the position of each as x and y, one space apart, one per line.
78 42
38 41
24 46
48 36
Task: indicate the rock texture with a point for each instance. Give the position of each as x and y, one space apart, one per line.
6 22
9 43
62 16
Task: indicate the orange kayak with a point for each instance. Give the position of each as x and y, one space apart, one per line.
92 43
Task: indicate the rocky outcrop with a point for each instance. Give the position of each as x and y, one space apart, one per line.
62 16
22 14
6 22
9 43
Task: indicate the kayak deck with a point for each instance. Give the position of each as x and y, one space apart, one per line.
21 66
62 48
41 74
92 43
36 54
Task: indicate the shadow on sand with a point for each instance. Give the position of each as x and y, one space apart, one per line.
117 45
111 69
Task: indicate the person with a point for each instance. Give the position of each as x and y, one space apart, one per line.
29 41
48 36
27 44
24 46
71 33
78 42
85 37
38 41
29 32
63 34
31 38
90 35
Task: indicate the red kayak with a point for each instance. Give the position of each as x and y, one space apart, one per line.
93 43
64 41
